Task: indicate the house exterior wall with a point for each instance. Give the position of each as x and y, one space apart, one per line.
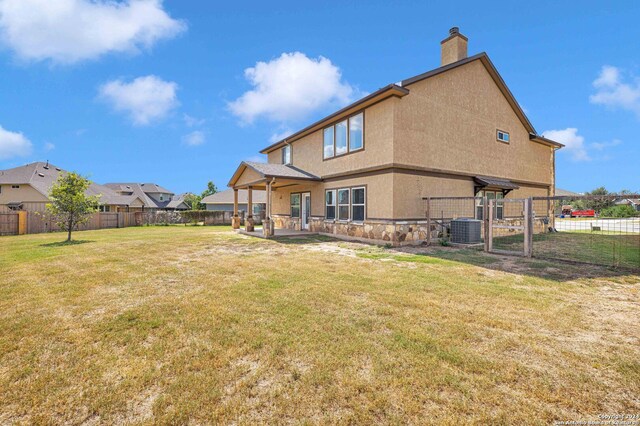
307 152
449 122
25 194
229 207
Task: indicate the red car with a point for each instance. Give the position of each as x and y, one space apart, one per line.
583 213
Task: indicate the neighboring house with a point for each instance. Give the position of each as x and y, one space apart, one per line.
27 188
154 196
223 201
364 170
633 202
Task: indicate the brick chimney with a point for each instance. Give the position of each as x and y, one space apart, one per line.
454 47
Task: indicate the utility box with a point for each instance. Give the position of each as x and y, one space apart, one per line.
466 231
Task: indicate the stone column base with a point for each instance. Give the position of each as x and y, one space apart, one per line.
235 222
249 224
267 227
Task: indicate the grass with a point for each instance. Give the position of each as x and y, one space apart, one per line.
200 325
621 250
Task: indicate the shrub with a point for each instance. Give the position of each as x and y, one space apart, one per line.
623 210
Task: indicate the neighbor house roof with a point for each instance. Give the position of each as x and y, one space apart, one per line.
400 90
41 176
153 188
135 189
269 170
563 192
226 197
177 202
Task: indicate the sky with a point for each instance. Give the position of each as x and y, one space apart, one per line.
180 92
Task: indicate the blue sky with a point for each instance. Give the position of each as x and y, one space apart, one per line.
156 91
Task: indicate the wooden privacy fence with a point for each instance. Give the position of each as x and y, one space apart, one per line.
8 224
41 222
38 223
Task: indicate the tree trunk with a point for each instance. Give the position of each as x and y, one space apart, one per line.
70 225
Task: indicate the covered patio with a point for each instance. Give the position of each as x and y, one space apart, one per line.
268 177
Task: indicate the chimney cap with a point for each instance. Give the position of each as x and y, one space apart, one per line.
454 30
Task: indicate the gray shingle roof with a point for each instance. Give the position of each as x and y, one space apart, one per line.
141 190
226 197
280 170
41 176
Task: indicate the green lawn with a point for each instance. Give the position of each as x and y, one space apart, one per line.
198 325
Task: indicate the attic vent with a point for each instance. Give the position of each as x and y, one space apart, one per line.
45 167
40 174
58 169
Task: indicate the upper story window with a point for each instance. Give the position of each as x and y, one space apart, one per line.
344 137
15 186
502 136
286 154
161 197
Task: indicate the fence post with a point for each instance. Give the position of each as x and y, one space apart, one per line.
428 221
528 227
485 221
490 208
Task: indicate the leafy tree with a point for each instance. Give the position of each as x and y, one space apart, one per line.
600 202
211 189
70 206
193 201
622 210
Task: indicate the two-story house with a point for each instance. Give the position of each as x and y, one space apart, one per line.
154 197
364 170
27 188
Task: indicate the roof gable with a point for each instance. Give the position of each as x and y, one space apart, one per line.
493 72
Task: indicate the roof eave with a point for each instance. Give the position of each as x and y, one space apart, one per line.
391 90
541 139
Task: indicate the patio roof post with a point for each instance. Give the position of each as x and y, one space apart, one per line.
249 222
235 221
267 223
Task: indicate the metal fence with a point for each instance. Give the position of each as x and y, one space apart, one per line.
602 230
599 230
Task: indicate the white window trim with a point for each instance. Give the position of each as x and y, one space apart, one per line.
286 148
334 205
364 204
338 218
498 132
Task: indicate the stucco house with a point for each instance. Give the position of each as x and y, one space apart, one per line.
27 188
154 197
223 201
364 170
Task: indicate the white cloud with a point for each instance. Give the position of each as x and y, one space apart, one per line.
193 121
145 99
281 134
612 91
601 146
194 138
49 147
257 159
573 143
68 31
13 144
291 87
